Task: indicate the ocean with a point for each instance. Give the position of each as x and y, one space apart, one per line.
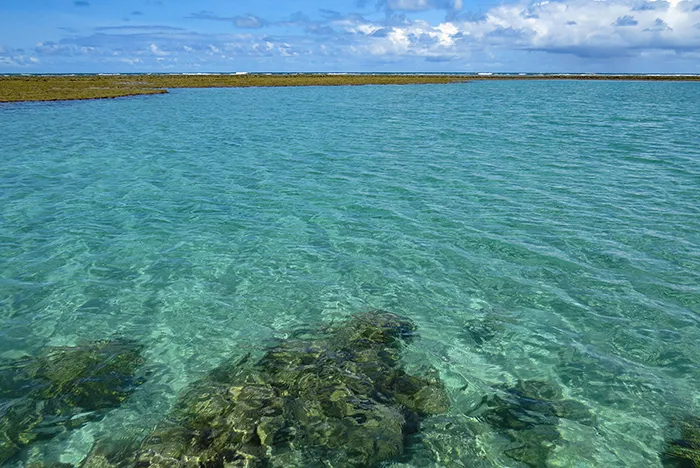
544 232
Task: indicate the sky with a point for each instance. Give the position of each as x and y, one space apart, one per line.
569 36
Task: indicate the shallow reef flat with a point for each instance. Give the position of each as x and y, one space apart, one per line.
56 88
333 396
65 87
62 389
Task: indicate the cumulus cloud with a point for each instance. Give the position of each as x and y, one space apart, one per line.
51 48
183 49
659 25
581 28
651 5
17 58
626 20
155 50
607 26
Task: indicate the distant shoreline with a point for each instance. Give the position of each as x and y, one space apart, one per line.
23 88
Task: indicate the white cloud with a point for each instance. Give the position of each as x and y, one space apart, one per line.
16 59
586 28
155 50
131 61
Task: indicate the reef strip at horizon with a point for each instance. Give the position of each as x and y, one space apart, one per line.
78 87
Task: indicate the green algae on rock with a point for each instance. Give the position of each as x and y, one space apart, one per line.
333 397
527 415
685 452
62 389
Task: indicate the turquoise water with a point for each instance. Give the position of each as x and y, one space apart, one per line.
532 230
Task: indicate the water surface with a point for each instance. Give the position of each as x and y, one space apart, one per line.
533 231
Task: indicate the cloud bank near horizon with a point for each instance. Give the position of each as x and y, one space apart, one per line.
401 35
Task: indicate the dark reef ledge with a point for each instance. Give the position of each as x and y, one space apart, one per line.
77 87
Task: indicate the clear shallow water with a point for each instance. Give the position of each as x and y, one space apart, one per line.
532 230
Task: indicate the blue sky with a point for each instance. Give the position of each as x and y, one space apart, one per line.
59 36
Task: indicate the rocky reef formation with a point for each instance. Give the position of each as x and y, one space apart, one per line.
684 452
331 397
527 415
62 389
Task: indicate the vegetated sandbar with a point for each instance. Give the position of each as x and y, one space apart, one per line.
71 87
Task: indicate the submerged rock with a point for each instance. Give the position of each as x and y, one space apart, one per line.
685 452
527 415
334 397
62 389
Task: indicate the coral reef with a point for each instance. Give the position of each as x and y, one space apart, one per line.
527 415
333 397
685 452
62 389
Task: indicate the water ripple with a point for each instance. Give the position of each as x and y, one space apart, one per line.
533 230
